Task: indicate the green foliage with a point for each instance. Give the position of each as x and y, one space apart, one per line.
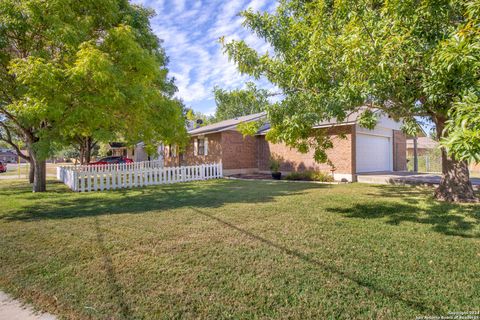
104 149
410 127
72 69
69 153
368 119
406 58
464 129
193 115
274 164
250 128
240 102
310 176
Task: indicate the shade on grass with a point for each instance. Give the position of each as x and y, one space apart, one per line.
238 249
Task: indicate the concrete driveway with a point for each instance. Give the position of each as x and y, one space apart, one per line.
405 178
11 309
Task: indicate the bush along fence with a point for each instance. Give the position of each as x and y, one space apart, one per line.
133 175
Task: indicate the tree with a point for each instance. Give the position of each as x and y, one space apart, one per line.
192 115
11 138
69 153
406 58
83 69
240 102
464 129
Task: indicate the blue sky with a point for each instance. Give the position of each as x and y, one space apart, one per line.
190 30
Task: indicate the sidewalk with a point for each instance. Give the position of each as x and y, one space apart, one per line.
14 310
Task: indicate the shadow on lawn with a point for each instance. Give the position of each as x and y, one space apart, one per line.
418 206
394 295
116 290
208 194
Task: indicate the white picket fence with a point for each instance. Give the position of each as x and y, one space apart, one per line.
138 174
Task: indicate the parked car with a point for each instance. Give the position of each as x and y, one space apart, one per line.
3 167
112 160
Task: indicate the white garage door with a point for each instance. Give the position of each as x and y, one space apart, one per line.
373 153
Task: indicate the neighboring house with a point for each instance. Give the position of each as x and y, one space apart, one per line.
362 150
426 147
136 153
8 156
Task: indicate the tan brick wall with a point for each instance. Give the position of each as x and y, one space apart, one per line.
214 151
238 152
341 154
399 151
230 147
475 168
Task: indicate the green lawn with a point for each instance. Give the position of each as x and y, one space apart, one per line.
237 249
12 169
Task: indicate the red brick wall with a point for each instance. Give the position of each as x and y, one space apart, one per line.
238 152
399 151
341 154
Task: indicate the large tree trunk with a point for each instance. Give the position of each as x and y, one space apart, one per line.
31 171
88 150
455 184
39 171
40 177
82 153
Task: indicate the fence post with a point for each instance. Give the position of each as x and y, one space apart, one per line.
89 181
75 180
82 181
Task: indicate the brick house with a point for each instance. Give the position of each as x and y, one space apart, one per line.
355 149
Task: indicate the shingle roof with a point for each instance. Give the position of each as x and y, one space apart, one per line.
351 119
226 124
231 124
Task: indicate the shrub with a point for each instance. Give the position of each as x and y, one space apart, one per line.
274 165
310 176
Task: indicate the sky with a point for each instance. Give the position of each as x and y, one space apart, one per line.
190 30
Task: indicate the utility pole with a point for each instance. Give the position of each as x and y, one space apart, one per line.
415 154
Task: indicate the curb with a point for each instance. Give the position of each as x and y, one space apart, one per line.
286 181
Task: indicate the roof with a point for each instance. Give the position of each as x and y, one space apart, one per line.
229 124
423 143
115 145
350 119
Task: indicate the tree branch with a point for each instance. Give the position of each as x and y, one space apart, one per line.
8 139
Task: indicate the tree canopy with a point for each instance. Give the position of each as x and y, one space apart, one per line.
406 58
89 68
240 102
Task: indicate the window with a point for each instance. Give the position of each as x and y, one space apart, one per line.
172 150
200 147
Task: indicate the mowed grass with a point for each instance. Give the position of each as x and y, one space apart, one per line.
241 250
12 169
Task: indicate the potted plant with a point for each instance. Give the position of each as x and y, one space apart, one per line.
275 169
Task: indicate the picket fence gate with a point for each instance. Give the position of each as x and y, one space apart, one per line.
133 175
